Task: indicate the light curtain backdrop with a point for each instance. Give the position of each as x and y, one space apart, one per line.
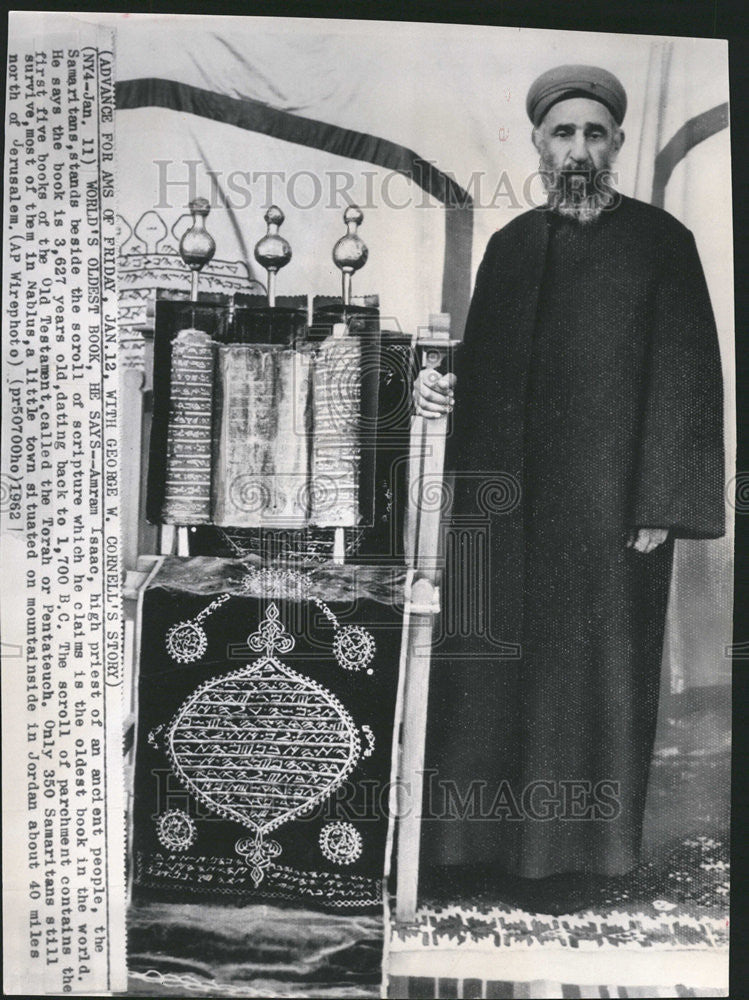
319 102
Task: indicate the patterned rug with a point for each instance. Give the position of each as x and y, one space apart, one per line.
419 988
692 878
665 922
662 931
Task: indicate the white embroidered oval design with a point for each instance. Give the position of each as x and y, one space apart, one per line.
264 744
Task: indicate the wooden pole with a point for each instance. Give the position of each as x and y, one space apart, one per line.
423 524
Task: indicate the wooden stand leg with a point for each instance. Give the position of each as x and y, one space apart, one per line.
167 539
339 546
183 541
423 607
423 522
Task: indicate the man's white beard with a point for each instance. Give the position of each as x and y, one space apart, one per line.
580 195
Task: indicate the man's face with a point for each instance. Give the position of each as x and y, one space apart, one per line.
578 141
578 135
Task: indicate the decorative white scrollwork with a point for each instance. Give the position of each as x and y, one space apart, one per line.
271 581
186 642
258 854
370 737
271 635
340 842
176 830
264 744
353 647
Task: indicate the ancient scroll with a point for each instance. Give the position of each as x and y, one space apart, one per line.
261 437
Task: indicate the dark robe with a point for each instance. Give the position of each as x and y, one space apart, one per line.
589 391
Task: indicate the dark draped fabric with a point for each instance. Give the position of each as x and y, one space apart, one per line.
253 740
590 377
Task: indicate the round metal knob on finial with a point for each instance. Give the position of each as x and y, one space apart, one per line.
272 251
274 216
353 213
350 252
197 246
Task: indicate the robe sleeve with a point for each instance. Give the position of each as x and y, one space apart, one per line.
681 474
470 363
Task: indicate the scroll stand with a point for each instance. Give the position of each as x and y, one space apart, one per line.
421 606
196 248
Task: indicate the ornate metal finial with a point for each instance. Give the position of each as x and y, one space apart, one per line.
273 252
350 252
197 246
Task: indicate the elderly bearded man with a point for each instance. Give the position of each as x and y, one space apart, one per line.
590 374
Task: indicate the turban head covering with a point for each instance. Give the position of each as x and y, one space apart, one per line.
564 82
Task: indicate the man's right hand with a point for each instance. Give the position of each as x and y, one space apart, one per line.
433 393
